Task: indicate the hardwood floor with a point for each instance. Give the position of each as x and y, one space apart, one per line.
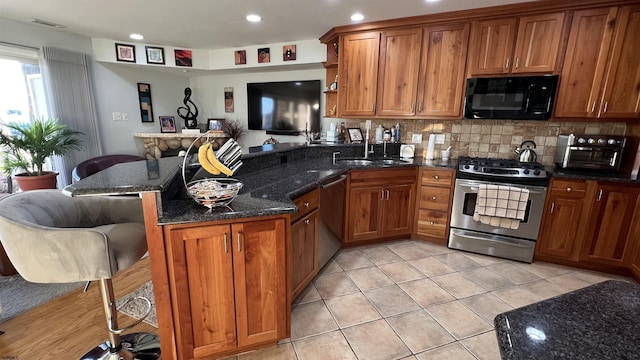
71 325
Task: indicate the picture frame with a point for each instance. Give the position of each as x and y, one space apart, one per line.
144 98
215 124
155 55
263 55
288 52
167 124
125 53
183 58
355 135
240 57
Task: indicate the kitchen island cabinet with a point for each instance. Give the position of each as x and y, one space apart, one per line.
304 242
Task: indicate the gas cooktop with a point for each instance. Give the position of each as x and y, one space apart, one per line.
501 168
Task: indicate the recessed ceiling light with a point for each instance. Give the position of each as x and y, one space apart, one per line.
136 37
433 0
357 17
254 18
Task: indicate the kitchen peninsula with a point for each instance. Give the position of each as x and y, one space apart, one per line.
222 278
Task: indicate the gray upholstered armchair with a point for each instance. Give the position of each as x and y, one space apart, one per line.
53 238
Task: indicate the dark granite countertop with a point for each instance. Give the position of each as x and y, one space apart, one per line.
270 181
601 321
595 175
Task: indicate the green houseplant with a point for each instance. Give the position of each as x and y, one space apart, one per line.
29 145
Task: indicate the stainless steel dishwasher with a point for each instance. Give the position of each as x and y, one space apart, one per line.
332 205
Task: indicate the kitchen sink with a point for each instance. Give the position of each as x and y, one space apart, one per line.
356 162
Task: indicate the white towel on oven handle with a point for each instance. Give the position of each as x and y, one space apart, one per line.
501 205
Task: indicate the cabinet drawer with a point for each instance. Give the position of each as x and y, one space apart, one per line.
437 177
306 204
392 176
568 188
434 198
432 223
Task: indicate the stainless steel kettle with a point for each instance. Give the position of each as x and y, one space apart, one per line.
527 154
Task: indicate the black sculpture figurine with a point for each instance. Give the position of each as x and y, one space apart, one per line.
190 120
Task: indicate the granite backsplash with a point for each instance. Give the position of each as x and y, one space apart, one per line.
491 138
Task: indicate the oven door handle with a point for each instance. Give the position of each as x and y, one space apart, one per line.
467 235
475 189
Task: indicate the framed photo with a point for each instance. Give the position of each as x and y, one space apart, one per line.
126 53
167 124
215 124
355 135
155 55
288 52
184 58
263 55
241 57
144 97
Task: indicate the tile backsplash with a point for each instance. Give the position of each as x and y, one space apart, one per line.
492 138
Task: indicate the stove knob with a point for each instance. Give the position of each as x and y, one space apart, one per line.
591 141
581 140
466 167
602 141
536 172
612 141
476 167
525 171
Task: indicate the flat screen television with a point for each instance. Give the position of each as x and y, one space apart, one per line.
285 107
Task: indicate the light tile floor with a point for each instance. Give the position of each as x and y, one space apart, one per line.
415 300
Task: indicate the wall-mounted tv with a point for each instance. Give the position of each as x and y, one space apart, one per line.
285 107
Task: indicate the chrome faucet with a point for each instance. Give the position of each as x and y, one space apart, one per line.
366 144
334 156
384 148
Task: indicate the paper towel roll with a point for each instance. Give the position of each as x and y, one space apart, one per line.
431 147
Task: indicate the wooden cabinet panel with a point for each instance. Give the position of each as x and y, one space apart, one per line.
559 228
304 252
358 73
306 204
398 210
433 198
538 43
615 225
492 46
585 61
621 94
365 213
205 304
432 224
437 177
442 77
397 80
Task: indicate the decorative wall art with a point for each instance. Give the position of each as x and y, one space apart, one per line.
184 58
214 124
228 99
288 52
263 55
355 135
155 55
167 124
241 57
126 53
144 95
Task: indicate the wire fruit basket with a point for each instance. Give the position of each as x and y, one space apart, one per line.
215 192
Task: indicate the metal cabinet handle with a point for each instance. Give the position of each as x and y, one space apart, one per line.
239 249
606 105
599 195
436 177
413 106
226 248
506 66
517 62
382 194
553 206
433 198
431 223
373 106
307 221
306 204
420 107
387 194
593 107
569 189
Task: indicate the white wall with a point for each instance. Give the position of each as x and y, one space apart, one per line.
209 91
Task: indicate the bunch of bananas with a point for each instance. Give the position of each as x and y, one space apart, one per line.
209 162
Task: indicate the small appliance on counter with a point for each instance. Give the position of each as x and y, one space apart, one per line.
590 152
407 151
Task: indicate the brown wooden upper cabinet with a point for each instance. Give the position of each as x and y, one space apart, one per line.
601 72
497 48
358 73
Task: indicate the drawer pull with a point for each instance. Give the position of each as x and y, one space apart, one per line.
226 249
433 198
306 204
436 177
599 195
569 189
307 221
239 249
431 223
553 206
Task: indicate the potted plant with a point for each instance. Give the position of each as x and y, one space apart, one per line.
27 147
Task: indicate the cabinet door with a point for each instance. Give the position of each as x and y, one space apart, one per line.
259 267
358 74
304 252
442 78
492 46
538 43
205 303
558 231
398 210
621 96
584 63
615 222
365 213
399 63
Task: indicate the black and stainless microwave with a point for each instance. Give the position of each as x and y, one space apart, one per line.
516 98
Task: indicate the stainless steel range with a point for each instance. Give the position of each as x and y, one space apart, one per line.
516 242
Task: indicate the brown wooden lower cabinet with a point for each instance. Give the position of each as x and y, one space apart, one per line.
304 252
433 206
229 282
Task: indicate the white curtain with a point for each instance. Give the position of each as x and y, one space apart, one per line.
70 99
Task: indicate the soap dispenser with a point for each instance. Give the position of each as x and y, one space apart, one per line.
379 134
